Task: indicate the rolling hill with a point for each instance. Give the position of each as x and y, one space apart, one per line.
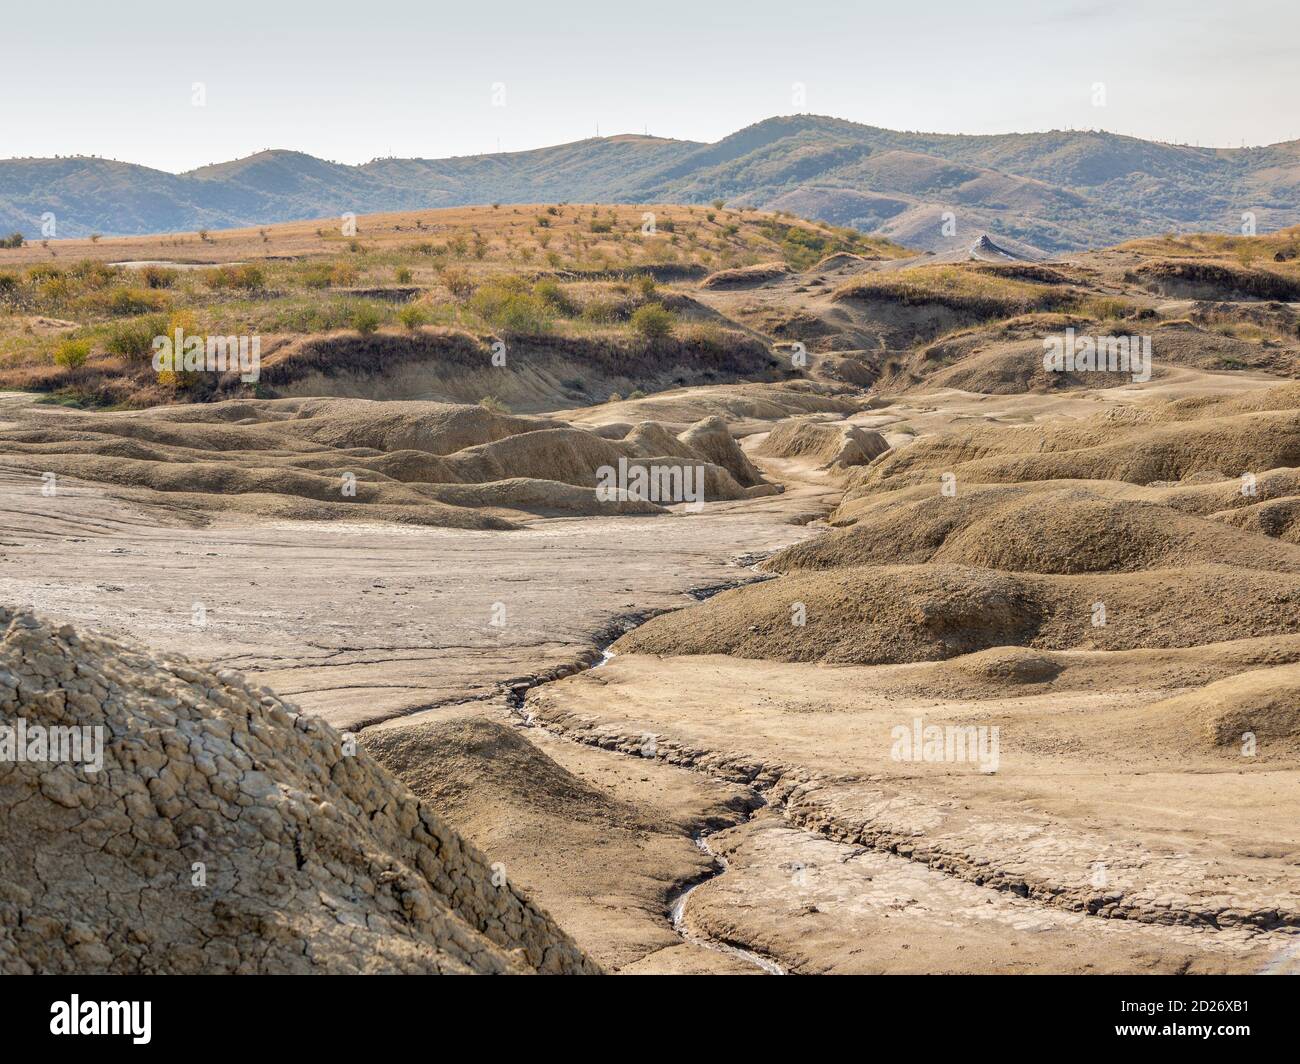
1051 191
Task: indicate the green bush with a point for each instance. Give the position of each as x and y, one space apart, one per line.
412 316
13 240
509 305
601 312
554 296
403 275
653 321
366 320
158 276
42 271
72 353
134 339
247 277
129 301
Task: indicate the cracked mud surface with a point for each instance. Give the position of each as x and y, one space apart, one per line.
1080 854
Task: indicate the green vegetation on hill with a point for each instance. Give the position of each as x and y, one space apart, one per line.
1055 190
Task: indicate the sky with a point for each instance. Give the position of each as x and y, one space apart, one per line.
180 85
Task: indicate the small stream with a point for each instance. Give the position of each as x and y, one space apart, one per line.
678 915
677 907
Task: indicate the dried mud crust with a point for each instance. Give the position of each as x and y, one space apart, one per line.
1034 859
227 833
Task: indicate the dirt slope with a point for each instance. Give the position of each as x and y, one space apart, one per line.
224 832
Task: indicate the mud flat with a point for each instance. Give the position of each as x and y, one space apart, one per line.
388 630
1119 832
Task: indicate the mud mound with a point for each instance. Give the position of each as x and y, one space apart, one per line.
985 250
1279 518
1059 530
416 462
452 366
895 614
711 440
451 764
1264 705
859 616
746 407
1099 449
224 832
1001 361
1014 665
547 498
840 260
437 428
836 446
1280 397
745 276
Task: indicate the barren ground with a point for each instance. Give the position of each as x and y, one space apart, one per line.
839 858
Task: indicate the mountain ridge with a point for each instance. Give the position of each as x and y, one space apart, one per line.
1054 191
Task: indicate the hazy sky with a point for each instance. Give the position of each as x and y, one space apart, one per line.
351 81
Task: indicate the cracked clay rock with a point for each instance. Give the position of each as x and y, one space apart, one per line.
224 832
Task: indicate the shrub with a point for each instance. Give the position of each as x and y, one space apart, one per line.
1105 308
56 289
8 282
601 225
130 301
457 282
653 321
134 339
158 276
645 284
550 293
403 275
316 276
412 316
42 271
492 403
366 320
247 277
601 312
509 305
72 353
13 240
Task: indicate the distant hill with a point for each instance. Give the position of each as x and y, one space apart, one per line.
1049 191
